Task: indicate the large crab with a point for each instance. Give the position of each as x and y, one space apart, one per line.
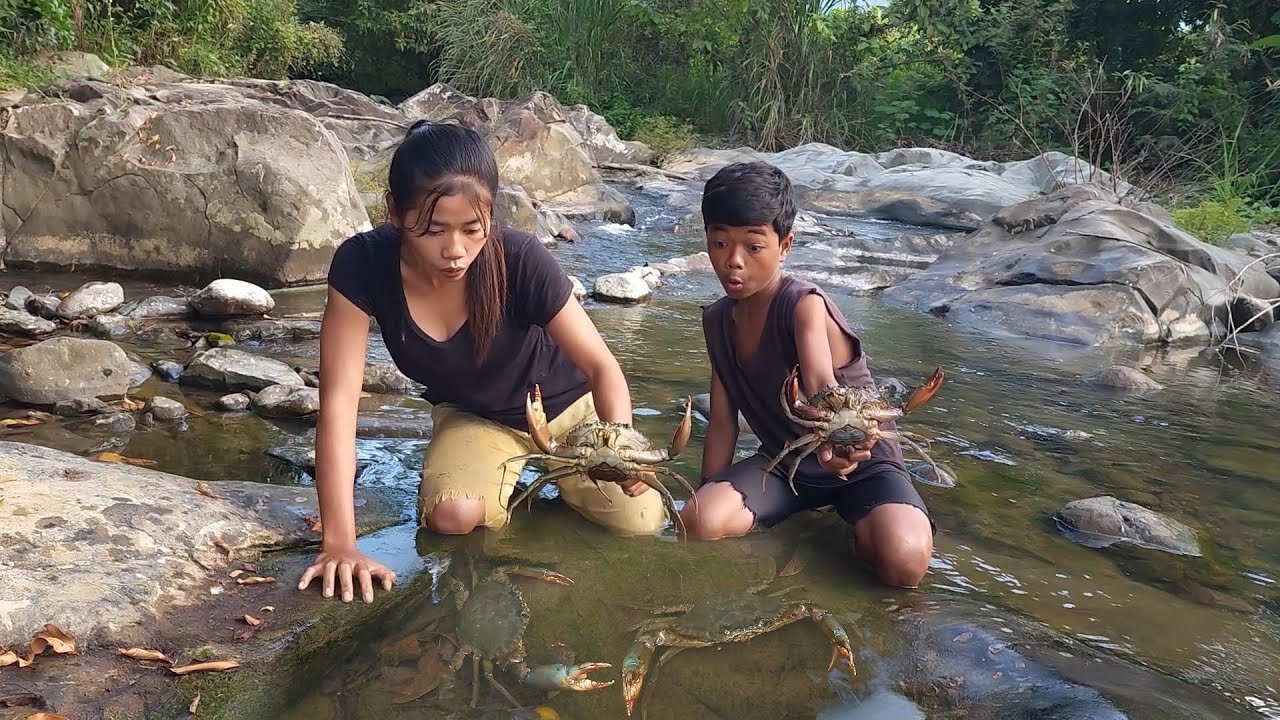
849 418
722 618
604 452
492 617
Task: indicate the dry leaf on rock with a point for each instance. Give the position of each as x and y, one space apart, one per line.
19 422
45 716
204 489
218 543
118 458
255 580
51 638
252 621
268 608
144 654
9 657
195 704
215 666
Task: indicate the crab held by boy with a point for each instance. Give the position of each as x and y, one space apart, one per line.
604 452
849 418
722 618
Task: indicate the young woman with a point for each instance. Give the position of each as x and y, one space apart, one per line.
477 315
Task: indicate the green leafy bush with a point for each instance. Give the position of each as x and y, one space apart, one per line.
666 136
1213 221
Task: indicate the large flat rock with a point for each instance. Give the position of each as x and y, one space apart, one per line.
102 550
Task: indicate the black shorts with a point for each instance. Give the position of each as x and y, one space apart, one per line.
772 501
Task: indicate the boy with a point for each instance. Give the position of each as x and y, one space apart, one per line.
769 322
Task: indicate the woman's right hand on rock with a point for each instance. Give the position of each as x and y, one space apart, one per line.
346 564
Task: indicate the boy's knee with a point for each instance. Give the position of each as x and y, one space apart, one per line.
716 511
456 517
903 562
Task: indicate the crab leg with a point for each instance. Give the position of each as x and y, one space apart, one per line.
791 476
904 437
636 665
792 445
566 677
836 633
488 674
537 485
791 401
536 573
653 679
668 502
693 495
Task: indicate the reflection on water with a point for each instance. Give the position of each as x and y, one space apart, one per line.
1022 433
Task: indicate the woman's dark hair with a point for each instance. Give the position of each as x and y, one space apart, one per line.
439 159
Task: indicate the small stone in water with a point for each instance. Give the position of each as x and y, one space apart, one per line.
17 299
234 402
227 297
91 299
79 406
168 370
163 408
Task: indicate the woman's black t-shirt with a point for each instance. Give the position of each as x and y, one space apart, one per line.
366 270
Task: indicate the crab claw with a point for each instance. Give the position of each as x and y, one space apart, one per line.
681 438
925 392
567 677
536 418
801 408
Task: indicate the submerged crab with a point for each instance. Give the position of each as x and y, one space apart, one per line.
492 617
732 617
849 417
604 452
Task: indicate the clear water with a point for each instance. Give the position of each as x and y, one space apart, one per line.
1023 434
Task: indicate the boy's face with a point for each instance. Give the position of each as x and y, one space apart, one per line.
746 257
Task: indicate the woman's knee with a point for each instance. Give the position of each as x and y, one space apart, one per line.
456 517
716 511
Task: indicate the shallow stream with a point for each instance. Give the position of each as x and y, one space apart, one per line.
1159 635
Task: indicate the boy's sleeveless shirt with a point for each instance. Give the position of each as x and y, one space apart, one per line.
366 270
754 386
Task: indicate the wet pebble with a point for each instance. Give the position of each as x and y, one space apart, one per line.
628 287
164 409
1120 377
227 297
21 322
287 401
18 297
168 370
90 300
234 402
79 406
117 423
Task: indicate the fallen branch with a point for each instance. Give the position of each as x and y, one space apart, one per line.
634 167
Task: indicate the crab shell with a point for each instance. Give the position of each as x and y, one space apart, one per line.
851 415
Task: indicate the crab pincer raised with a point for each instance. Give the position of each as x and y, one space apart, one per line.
604 452
849 417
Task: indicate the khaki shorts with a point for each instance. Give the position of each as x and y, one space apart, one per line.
464 460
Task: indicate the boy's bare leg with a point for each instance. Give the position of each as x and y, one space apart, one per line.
895 541
720 512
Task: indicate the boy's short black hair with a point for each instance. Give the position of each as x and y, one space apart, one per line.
750 193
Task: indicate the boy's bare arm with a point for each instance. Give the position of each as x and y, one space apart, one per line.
817 370
722 432
813 346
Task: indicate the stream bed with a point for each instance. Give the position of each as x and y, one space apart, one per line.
1013 619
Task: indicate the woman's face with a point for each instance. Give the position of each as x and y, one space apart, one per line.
453 239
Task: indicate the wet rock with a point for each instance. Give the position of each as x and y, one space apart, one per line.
627 287
116 423
651 276
90 299
74 64
1100 522
168 370
21 322
309 379
1183 330
579 290
301 329
304 459
235 186
165 409
17 299
515 208
125 546
234 402
141 373
287 401
158 306
386 379
227 297
64 369
697 262
111 326
594 203
1100 273
79 406
231 369
44 306
1251 314
1122 378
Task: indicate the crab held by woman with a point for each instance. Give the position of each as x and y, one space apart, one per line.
604 452
849 418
